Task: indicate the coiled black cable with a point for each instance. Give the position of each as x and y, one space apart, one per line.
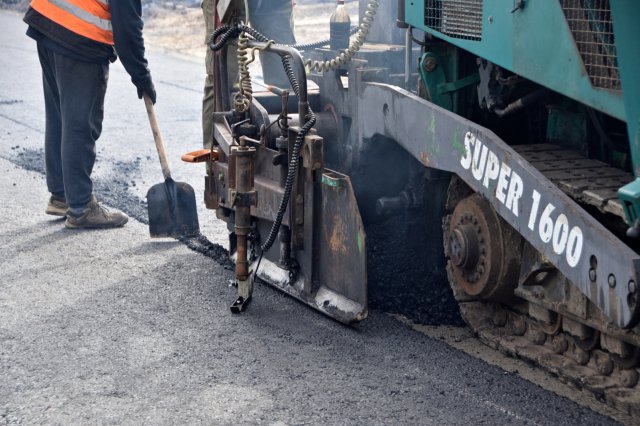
254 33
226 33
216 33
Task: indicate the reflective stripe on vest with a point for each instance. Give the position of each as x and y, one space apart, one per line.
88 18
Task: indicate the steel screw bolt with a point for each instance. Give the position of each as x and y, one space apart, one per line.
612 281
632 286
592 274
429 64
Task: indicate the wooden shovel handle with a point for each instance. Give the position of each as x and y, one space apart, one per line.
157 137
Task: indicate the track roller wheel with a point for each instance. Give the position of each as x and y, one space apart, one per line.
559 344
535 333
604 363
579 355
630 361
483 251
553 327
499 316
629 378
589 343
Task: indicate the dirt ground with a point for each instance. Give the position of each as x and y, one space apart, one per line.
181 29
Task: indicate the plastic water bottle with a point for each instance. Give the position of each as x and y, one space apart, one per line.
339 27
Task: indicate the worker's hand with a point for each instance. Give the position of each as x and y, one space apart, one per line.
149 90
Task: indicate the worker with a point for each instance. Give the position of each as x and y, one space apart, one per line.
76 41
272 18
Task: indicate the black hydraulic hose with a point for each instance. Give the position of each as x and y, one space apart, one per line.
294 163
254 33
297 70
522 103
415 40
288 186
288 69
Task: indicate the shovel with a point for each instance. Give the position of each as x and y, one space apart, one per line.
172 205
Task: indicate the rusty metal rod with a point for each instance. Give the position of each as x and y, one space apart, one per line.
244 186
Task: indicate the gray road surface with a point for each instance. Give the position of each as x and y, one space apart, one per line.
112 327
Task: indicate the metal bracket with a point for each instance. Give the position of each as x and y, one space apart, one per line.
519 5
241 199
312 152
240 305
432 74
459 84
630 197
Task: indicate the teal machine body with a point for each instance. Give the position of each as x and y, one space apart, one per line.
586 50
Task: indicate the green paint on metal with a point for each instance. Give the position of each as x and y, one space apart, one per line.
550 57
433 144
332 182
567 125
457 144
627 34
629 195
360 242
459 84
432 72
430 138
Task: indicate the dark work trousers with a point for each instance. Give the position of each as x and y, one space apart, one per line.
74 107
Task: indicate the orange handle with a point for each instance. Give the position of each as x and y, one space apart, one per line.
200 156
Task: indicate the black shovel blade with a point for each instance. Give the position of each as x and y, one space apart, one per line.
172 210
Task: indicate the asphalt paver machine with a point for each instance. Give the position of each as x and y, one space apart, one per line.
501 137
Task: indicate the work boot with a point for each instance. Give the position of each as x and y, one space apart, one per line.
95 215
57 206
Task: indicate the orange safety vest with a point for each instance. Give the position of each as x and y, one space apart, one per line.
88 18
